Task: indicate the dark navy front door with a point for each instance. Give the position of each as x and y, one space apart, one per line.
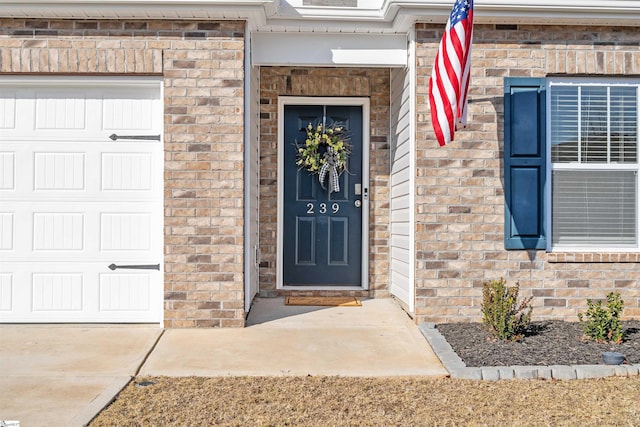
322 243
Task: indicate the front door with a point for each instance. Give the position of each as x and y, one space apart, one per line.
322 236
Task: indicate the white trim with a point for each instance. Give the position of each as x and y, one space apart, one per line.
80 81
200 3
548 196
256 11
592 81
412 168
372 50
250 253
160 82
380 16
323 288
547 159
596 166
247 171
302 100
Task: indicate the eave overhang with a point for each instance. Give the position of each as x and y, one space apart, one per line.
371 16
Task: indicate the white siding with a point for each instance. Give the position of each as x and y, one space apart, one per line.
402 185
252 185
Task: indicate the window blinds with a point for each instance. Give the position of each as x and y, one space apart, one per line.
594 124
594 207
594 140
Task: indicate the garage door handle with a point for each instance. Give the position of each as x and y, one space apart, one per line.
136 267
115 137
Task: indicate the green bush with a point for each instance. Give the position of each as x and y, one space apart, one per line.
603 324
502 314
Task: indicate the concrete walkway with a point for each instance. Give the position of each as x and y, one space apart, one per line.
61 375
377 339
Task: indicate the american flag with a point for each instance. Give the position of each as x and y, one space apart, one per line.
449 82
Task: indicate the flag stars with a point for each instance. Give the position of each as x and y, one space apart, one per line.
460 11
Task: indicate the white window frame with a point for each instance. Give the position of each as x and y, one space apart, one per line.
596 82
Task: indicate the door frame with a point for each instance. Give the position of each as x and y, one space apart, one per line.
338 101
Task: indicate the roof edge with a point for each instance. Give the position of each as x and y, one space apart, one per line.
389 16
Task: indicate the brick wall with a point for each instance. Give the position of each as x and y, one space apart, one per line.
347 82
459 194
202 64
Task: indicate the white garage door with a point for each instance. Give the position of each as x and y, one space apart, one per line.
73 201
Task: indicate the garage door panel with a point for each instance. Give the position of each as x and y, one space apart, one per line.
131 168
39 231
7 171
82 112
73 202
58 231
132 114
125 231
128 231
127 172
53 293
57 110
57 292
89 293
55 231
81 170
125 292
61 113
6 231
6 291
7 109
59 171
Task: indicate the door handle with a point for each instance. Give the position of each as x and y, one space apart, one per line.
136 267
357 203
115 137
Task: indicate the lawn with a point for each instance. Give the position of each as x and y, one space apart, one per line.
337 401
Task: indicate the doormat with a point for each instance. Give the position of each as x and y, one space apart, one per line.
324 301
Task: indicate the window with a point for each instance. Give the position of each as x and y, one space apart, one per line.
593 138
571 163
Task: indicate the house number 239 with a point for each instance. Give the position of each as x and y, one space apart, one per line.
322 208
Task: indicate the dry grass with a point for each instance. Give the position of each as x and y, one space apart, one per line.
325 401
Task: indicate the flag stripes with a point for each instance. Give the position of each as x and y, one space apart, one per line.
449 82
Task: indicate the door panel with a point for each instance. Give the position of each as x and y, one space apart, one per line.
305 241
338 241
322 231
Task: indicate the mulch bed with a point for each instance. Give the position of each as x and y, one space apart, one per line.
546 343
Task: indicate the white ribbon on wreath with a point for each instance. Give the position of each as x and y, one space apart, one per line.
330 166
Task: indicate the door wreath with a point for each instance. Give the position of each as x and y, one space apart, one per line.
325 152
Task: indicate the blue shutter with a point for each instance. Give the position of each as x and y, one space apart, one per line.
525 166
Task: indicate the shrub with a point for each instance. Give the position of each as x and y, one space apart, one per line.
603 324
502 314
